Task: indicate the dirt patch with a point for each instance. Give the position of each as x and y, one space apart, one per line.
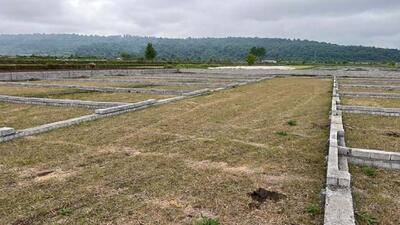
392 133
261 195
206 164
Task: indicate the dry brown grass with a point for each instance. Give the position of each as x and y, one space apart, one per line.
78 94
372 102
25 116
173 163
372 132
376 196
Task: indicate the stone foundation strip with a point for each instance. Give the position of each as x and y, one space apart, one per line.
370 110
391 87
99 89
58 102
144 82
44 75
369 157
125 107
369 95
338 199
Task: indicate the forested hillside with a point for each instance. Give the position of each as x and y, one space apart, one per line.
193 49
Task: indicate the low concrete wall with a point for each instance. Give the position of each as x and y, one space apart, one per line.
125 107
58 102
44 75
99 89
338 198
312 72
369 157
370 110
391 87
369 95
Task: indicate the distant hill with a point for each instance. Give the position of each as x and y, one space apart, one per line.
194 49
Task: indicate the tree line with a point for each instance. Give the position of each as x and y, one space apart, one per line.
230 49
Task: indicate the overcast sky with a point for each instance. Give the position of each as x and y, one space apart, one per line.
357 22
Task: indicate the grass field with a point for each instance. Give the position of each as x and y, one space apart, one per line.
372 102
372 132
25 116
377 195
175 163
78 94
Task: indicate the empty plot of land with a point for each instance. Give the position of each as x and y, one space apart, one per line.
372 132
25 116
371 102
377 195
78 94
173 163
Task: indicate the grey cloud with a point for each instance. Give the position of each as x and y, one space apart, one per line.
367 22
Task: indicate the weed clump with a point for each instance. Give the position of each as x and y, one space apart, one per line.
313 209
292 122
282 133
365 218
369 171
207 221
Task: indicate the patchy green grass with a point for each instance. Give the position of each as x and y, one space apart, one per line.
20 116
207 221
376 197
372 132
369 171
174 163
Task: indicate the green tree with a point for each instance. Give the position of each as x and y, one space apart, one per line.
125 55
259 52
150 52
251 59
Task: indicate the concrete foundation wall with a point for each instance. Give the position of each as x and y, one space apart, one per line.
44 75
58 102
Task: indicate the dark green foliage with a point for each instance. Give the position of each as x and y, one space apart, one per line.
259 52
191 49
292 122
251 59
150 53
125 55
369 171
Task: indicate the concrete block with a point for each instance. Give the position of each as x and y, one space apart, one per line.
6 131
395 156
395 166
361 153
380 155
338 207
